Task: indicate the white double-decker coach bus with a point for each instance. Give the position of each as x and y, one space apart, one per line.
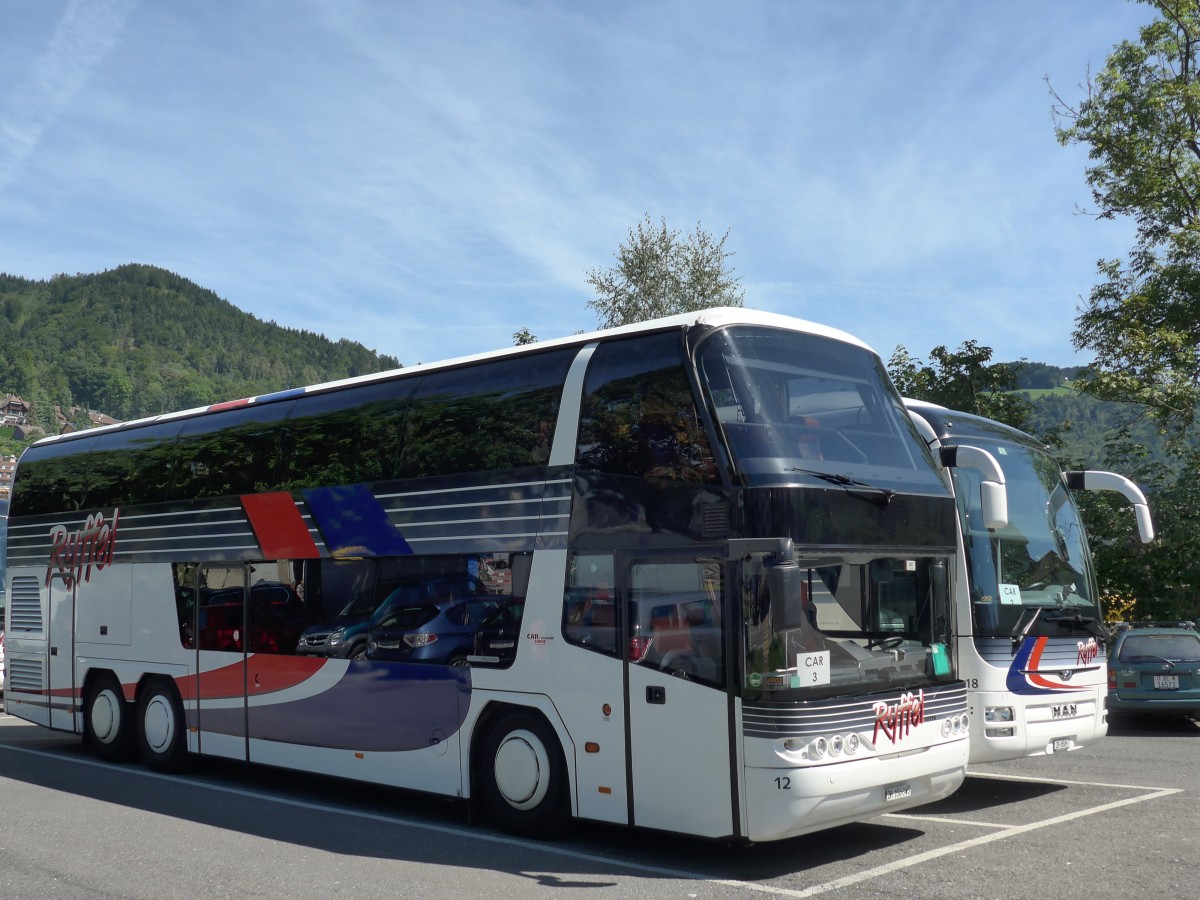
1030 643
691 575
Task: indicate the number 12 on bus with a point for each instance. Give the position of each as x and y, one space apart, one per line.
691 575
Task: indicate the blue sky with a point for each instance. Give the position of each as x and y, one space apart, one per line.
428 177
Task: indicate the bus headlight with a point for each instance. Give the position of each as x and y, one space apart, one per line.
997 713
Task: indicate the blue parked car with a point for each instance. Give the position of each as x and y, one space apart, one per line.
1155 669
432 623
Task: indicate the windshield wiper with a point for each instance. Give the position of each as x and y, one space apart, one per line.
1069 620
878 496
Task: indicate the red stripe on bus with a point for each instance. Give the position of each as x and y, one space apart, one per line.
229 404
279 527
265 673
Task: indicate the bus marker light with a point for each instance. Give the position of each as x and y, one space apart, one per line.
591 747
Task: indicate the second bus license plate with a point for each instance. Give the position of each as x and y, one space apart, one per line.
899 792
1166 682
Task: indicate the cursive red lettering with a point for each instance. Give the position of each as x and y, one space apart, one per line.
897 720
1087 651
73 554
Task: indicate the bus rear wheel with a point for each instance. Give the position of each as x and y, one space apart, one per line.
523 776
162 739
107 725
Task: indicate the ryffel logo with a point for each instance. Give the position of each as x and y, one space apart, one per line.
897 720
1088 651
74 553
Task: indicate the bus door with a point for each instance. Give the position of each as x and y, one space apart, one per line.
60 667
677 692
221 648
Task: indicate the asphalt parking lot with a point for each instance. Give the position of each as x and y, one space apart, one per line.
1115 820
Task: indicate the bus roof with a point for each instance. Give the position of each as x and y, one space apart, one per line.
952 426
715 317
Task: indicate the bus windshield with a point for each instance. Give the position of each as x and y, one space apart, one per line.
854 622
801 409
1040 558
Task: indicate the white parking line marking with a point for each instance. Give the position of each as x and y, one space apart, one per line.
812 891
1033 780
945 819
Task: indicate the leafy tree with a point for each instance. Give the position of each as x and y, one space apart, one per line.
965 380
658 273
523 336
1140 117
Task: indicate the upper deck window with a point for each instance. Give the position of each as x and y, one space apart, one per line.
639 415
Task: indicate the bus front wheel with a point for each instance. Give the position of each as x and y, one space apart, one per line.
162 738
107 725
523 776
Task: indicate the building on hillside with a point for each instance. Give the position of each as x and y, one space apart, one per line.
8 465
65 422
14 410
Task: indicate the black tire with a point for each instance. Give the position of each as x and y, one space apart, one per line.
107 720
523 778
161 727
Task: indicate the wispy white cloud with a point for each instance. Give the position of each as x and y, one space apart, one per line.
84 35
427 177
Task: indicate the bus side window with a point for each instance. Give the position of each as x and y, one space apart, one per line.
590 610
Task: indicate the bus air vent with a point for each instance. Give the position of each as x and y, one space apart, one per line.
714 520
26 612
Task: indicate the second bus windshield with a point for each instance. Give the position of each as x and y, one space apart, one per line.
1039 559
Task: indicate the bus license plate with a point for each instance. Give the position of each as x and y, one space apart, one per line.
1166 682
899 792
1062 744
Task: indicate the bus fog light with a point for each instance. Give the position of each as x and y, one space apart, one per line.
836 745
852 743
998 714
820 747
1001 732
946 728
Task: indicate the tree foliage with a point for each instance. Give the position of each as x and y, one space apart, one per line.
659 273
1140 118
965 380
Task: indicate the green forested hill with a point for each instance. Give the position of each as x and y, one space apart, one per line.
139 340
1081 425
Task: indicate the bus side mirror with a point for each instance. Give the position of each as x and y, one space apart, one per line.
993 493
1110 481
993 500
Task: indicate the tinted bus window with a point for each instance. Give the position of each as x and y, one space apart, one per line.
497 415
130 467
51 478
639 414
231 452
345 437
